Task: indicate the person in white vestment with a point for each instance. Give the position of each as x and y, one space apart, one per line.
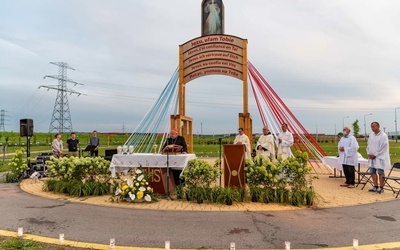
241 138
285 141
266 145
348 157
378 156
212 24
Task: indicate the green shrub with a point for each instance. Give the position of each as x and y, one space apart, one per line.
78 176
200 173
282 181
18 166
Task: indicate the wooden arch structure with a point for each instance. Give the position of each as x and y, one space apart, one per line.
211 55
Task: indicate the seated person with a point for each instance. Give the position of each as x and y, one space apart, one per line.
175 143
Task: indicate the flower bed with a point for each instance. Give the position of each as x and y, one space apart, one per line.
78 176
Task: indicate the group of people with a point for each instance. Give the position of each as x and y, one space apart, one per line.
73 145
377 151
266 143
377 154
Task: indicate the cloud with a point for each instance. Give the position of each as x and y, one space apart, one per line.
325 59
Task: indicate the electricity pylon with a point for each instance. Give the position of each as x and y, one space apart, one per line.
2 120
61 119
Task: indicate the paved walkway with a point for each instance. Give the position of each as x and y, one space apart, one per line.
329 194
305 228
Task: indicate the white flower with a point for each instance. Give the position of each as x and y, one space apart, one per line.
140 177
132 196
118 191
148 188
147 198
147 183
137 184
138 171
142 189
129 182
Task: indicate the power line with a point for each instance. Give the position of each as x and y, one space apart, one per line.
61 118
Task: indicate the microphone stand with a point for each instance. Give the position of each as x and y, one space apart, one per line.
220 161
168 192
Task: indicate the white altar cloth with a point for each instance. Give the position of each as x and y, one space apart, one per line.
121 162
332 161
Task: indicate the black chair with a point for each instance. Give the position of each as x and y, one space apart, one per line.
364 178
109 154
395 186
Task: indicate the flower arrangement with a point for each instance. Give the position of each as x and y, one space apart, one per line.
136 188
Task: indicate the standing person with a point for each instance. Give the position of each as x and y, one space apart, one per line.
285 141
72 145
378 156
57 146
241 138
348 157
175 143
266 144
94 141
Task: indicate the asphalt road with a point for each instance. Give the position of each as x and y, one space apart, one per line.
309 228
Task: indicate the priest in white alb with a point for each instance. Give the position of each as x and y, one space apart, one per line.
241 138
266 145
285 141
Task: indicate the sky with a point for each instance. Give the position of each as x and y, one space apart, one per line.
331 62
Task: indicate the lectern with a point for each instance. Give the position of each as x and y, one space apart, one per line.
234 161
159 179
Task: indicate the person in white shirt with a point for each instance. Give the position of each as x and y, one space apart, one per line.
348 157
285 141
241 138
378 156
57 146
266 145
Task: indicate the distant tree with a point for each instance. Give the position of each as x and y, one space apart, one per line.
356 128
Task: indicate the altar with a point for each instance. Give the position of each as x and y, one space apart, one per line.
154 163
332 161
124 162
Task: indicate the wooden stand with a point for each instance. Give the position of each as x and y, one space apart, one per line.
234 160
158 181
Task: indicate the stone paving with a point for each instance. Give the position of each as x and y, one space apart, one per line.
329 194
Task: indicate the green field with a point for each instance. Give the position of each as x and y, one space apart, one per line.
204 146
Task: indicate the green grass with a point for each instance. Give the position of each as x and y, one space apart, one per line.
11 243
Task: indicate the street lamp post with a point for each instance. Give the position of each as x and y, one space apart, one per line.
395 121
343 120
365 126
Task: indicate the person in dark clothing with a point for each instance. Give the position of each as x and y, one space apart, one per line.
95 141
72 145
175 144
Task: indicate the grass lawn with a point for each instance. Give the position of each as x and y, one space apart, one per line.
11 243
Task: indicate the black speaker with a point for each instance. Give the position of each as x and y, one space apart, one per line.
26 127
